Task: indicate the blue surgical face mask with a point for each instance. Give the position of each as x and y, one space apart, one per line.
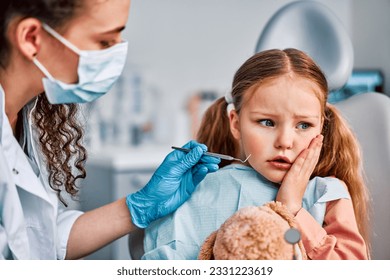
97 72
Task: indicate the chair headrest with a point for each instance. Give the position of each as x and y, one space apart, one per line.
313 28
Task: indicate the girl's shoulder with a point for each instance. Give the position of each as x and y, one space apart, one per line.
236 167
329 182
236 174
325 189
321 190
236 177
231 171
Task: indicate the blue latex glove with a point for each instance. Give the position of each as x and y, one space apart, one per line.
171 185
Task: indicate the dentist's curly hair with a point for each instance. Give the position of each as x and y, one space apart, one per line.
61 142
60 134
340 155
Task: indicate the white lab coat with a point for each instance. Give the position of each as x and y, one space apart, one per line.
33 225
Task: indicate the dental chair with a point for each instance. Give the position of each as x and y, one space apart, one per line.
313 28
369 116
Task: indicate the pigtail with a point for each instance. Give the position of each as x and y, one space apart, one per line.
215 133
341 157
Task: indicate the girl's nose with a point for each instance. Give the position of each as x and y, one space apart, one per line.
284 139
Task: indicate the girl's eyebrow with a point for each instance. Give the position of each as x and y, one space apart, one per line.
306 117
295 116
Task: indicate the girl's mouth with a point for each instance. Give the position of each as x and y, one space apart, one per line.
280 162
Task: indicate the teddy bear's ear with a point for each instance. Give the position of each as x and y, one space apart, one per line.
206 251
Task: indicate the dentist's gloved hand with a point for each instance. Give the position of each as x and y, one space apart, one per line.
171 185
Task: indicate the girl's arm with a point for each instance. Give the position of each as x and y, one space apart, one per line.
338 239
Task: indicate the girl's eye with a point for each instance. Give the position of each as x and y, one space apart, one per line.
303 126
266 122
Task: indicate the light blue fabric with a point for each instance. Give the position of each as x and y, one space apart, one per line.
171 184
218 196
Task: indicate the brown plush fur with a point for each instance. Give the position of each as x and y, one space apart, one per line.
252 233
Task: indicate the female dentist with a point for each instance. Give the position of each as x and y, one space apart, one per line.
54 54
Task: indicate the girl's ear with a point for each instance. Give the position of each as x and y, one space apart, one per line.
234 124
28 36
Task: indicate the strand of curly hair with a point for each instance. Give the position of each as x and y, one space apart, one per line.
60 138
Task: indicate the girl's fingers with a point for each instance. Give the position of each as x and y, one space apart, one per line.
306 161
313 155
297 166
294 183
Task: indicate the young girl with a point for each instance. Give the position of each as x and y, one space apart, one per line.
302 154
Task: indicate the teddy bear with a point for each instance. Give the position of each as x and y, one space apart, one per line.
265 232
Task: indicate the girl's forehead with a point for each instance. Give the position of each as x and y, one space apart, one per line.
285 91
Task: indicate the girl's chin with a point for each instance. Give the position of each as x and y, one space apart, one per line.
274 178
271 174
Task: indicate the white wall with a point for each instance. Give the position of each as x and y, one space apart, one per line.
184 45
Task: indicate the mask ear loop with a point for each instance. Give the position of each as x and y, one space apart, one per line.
43 69
56 35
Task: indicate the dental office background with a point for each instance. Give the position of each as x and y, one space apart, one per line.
183 55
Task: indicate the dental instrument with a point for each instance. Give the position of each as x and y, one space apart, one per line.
225 157
293 236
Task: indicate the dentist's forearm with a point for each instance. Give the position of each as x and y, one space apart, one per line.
97 228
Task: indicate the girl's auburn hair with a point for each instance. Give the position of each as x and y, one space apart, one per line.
340 156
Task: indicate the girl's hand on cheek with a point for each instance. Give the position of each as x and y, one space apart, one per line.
294 183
